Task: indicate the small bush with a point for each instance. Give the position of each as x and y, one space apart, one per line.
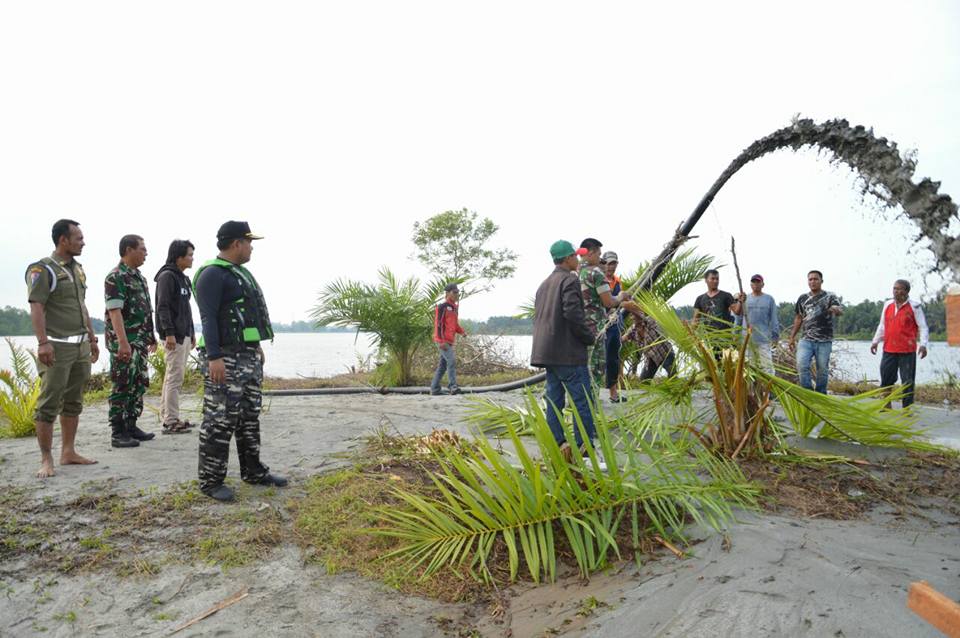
19 393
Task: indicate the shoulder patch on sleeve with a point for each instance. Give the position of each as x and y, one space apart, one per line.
34 273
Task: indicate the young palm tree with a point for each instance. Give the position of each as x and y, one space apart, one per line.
398 314
19 393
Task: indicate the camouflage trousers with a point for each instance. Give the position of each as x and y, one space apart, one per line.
597 363
231 409
129 380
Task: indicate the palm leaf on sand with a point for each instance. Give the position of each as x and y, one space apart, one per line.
537 500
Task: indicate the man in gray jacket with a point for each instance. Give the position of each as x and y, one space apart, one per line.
560 340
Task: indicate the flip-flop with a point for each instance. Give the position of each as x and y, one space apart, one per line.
177 428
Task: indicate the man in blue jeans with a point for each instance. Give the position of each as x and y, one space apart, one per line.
446 327
815 311
560 340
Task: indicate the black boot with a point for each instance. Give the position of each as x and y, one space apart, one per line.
121 438
137 433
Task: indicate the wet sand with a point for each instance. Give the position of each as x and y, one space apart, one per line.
778 575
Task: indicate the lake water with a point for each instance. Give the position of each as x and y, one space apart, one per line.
327 354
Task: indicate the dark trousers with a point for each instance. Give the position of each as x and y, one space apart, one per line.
574 380
231 410
650 367
906 364
613 355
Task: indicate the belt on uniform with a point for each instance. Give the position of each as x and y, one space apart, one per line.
70 339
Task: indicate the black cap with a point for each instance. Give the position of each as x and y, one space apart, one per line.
451 288
236 230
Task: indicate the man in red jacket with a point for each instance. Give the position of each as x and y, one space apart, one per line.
446 327
902 327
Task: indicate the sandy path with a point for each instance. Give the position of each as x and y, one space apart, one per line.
781 576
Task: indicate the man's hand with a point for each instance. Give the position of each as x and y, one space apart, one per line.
151 348
263 356
922 352
218 371
94 352
444 345
792 344
741 297
170 343
193 342
45 354
836 311
873 348
124 351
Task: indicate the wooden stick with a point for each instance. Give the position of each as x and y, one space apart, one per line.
678 553
736 269
223 604
935 608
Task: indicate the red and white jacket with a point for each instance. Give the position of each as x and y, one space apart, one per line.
902 328
446 327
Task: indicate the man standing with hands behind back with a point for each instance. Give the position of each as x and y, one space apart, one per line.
235 320
66 344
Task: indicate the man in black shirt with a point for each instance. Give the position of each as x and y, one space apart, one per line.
235 320
815 311
717 307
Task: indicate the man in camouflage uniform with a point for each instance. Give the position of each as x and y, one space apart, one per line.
235 320
596 300
129 336
66 344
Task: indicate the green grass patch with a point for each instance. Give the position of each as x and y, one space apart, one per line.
333 522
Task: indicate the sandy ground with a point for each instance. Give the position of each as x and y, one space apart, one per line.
778 576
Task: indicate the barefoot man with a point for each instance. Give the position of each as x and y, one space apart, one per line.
66 344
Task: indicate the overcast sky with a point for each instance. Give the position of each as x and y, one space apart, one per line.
333 127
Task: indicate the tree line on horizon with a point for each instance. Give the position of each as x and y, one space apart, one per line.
858 321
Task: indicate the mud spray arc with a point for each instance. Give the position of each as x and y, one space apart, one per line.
885 174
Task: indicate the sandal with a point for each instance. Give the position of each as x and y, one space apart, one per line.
185 424
177 428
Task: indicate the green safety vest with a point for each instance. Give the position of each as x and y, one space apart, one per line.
243 320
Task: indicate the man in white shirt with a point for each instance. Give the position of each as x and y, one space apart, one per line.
903 331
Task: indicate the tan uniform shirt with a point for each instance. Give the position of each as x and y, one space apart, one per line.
61 286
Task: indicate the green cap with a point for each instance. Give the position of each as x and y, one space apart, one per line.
562 249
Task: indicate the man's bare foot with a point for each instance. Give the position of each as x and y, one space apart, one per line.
46 467
72 458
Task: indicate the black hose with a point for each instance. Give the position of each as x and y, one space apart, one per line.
502 387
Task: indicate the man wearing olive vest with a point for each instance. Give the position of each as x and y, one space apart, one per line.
66 344
234 316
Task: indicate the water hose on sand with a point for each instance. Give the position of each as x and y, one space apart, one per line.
501 387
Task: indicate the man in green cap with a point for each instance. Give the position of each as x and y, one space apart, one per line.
66 344
560 341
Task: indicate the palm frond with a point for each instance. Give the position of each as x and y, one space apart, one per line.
486 496
684 269
862 418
